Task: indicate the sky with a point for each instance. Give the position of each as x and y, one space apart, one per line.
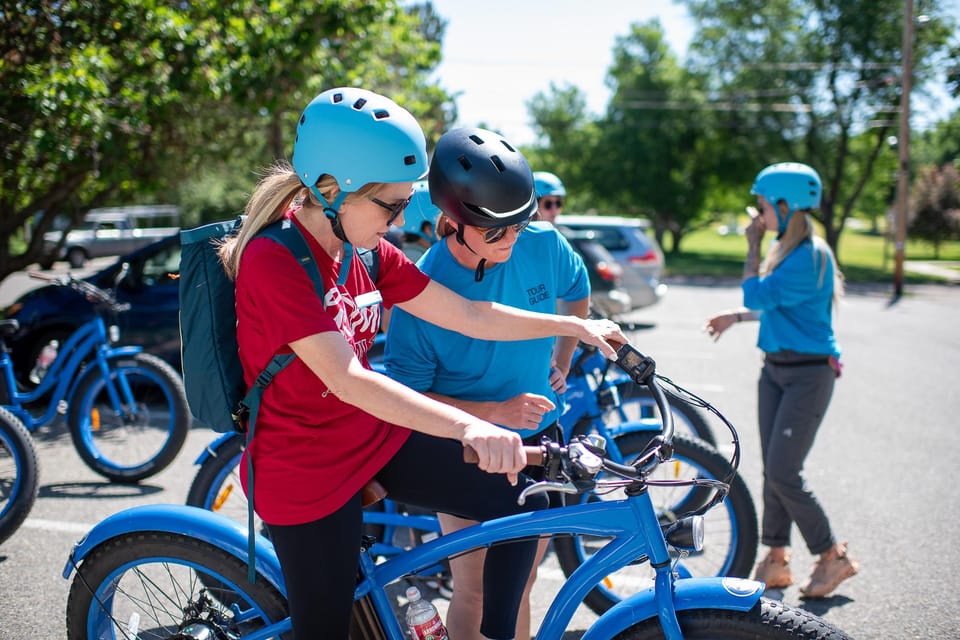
498 54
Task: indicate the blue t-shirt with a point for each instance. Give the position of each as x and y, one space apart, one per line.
795 303
542 269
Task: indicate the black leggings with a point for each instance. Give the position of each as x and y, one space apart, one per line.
319 559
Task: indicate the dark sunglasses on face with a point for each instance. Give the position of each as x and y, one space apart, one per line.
491 236
551 204
395 209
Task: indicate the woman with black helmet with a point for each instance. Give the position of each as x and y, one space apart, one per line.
328 424
485 191
793 295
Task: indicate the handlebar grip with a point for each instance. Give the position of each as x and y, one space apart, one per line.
534 455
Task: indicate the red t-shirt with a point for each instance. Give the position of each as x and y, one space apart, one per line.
311 451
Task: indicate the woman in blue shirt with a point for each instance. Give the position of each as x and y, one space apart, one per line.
792 294
490 251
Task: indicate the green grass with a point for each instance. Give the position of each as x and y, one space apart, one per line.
863 256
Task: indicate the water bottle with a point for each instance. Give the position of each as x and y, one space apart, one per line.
47 355
423 619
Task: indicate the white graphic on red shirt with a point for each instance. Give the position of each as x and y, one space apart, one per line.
356 324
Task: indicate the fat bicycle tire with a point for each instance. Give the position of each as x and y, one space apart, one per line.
737 523
216 487
767 620
123 452
638 403
162 579
19 472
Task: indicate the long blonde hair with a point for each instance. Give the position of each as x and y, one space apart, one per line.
800 228
278 190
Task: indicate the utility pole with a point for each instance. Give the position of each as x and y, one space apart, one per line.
903 146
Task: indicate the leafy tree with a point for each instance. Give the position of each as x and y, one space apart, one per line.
935 206
561 120
655 155
815 81
123 100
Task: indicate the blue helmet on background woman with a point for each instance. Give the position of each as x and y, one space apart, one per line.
548 184
796 184
421 211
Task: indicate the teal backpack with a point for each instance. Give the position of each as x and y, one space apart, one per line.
212 375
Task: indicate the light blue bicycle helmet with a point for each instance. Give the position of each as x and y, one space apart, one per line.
796 184
421 209
548 184
358 137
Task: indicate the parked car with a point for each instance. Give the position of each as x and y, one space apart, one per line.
607 294
146 279
633 248
110 231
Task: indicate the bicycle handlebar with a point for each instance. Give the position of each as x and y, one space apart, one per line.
89 290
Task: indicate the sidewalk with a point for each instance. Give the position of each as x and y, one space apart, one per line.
949 271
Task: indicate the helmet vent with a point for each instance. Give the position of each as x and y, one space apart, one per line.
359 103
477 139
337 97
303 118
409 160
380 114
498 163
507 145
465 163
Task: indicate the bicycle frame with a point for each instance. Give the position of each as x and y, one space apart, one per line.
631 524
61 377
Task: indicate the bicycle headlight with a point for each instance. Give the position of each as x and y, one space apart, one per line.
686 533
113 333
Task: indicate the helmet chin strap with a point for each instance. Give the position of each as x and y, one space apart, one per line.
332 211
782 221
478 274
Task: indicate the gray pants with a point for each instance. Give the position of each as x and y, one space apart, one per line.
792 403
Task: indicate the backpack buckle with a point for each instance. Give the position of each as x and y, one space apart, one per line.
241 417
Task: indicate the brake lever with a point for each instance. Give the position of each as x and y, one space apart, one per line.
544 487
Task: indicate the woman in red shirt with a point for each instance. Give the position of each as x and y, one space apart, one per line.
328 424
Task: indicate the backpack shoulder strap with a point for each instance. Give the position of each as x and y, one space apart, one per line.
288 234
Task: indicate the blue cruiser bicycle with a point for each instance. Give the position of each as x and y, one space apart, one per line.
600 401
179 572
126 409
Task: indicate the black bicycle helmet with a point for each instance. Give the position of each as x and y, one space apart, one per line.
479 179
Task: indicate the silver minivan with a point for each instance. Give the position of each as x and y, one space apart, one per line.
633 248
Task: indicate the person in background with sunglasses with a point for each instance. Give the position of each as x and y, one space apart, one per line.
551 195
487 252
328 424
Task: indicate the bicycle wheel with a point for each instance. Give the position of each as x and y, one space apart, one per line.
145 437
19 470
637 403
767 620
216 487
155 585
731 536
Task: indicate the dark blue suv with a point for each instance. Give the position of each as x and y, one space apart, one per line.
147 279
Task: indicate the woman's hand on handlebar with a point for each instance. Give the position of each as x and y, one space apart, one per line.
498 450
604 334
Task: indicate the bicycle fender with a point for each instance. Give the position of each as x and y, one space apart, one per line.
212 448
113 352
209 527
732 594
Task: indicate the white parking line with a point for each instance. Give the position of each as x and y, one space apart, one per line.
56 525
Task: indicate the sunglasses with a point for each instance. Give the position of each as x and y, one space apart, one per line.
551 204
395 209
491 236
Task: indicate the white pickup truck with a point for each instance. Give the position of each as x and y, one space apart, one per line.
110 231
